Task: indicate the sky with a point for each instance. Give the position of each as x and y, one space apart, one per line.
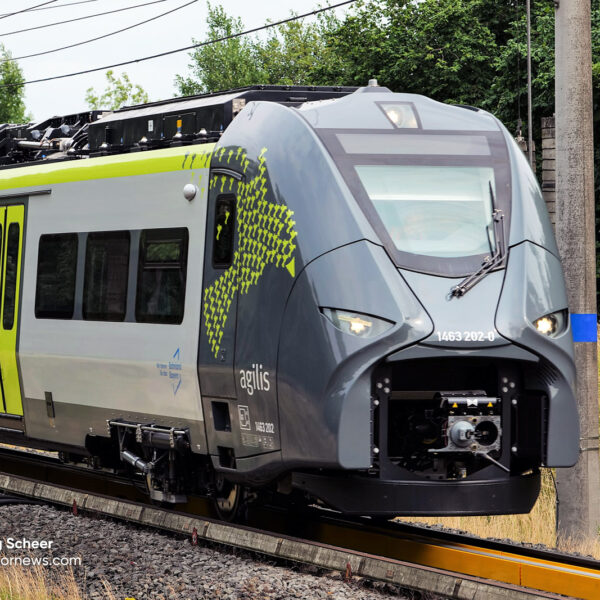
66 96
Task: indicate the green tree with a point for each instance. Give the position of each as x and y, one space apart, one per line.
440 48
507 97
224 65
458 51
12 104
119 92
293 53
299 53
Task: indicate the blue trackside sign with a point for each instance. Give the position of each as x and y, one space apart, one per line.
584 327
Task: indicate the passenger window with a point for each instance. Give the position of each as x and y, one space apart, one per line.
10 287
55 287
161 276
106 270
224 231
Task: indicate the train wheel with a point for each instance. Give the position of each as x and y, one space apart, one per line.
228 498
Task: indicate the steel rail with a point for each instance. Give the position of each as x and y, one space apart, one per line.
416 557
9 500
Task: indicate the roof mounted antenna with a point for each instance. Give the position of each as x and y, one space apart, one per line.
373 83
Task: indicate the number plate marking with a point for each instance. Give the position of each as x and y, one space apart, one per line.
466 336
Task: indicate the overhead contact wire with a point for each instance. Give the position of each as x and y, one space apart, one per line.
108 12
18 12
57 6
192 47
100 37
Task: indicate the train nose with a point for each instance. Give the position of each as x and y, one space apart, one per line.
349 318
465 322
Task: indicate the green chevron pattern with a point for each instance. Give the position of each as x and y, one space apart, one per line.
266 236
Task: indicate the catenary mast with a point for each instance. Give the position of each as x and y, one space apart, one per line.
579 487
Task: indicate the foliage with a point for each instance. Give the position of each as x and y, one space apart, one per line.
461 51
12 104
508 94
293 53
119 92
437 47
225 65
299 53
458 51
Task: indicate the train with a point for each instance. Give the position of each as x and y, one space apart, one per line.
345 296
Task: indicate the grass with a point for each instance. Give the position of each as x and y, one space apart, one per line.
536 527
37 583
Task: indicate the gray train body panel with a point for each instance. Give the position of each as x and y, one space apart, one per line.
324 377
336 431
531 269
300 175
319 347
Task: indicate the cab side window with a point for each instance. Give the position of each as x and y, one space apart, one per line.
224 231
162 275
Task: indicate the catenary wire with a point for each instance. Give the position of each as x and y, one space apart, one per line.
192 47
108 12
100 37
41 7
18 12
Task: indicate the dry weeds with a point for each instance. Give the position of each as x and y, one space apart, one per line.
38 583
536 527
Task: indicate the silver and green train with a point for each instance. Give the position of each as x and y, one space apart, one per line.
344 295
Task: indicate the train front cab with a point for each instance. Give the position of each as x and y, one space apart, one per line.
432 427
434 399
374 387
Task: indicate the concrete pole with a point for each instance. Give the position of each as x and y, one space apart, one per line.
579 487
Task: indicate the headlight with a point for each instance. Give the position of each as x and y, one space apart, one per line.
401 115
552 324
356 323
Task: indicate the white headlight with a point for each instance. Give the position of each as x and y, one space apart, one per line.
356 323
401 115
552 324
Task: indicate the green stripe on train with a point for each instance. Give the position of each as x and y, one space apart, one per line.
104 167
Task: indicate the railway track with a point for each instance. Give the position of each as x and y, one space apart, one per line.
445 564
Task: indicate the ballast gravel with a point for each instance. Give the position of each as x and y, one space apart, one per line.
144 564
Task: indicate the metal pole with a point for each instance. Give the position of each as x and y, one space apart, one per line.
529 110
579 487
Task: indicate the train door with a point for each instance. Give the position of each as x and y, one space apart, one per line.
219 301
11 250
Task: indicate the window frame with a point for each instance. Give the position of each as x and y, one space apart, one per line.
498 159
14 285
74 237
143 265
222 198
91 236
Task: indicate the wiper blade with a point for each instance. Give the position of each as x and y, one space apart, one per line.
490 263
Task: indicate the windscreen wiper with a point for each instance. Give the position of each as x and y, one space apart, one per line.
490 262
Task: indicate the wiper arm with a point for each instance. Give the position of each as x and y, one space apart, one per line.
489 263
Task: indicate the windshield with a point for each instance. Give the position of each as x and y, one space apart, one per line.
441 211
